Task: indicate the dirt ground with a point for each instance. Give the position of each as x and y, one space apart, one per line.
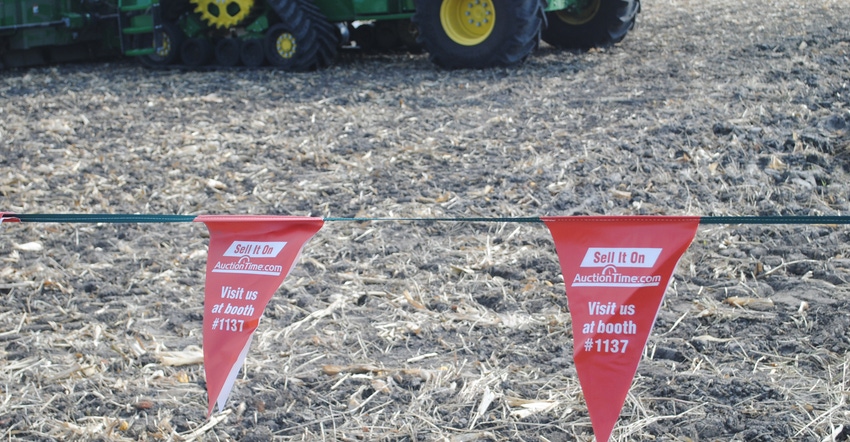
399 331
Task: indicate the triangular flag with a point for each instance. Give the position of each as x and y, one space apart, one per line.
8 217
616 270
249 257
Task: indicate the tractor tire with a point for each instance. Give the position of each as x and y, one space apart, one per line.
408 32
196 52
169 53
227 52
460 34
284 50
303 40
253 53
602 23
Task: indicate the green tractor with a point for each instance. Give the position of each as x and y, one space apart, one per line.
302 35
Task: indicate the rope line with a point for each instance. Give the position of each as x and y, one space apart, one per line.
139 218
97 218
805 219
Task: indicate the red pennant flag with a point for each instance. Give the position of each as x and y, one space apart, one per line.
249 257
616 270
8 217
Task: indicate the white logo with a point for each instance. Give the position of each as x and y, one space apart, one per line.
610 260
245 250
255 249
621 257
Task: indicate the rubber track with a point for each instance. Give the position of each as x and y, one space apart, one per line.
327 33
315 35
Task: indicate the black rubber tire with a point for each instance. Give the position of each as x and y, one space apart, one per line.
408 32
315 38
173 39
196 52
289 62
609 25
227 52
514 36
253 52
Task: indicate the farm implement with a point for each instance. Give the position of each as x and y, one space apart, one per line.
302 35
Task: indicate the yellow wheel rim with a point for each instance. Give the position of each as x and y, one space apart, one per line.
582 16
468 22
285 45
223 13
165 50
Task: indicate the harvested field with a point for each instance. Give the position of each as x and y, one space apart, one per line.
402 331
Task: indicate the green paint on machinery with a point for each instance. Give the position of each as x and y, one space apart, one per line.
302 35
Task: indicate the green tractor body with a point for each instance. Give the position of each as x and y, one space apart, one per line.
35 32
303 35
351 10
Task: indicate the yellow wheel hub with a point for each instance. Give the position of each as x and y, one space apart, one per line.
579 17
166 48
285 45
468 22
223 13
